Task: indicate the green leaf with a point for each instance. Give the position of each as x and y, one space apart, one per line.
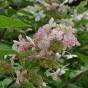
8 22
84 21
73 86
4 46
58 83
6 52
6 81
81 22
27 85
26 13
83 58
82 6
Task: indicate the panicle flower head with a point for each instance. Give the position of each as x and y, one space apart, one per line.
67 34
43 38
60 32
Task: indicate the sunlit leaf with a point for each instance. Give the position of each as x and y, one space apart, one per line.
6 52
8 22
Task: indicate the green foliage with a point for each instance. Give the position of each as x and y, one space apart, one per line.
4 46
14 15
82 6
73 86
6 52
8 22
5 83
27 85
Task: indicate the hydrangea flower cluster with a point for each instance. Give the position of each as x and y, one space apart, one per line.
52 39
60 32
45 34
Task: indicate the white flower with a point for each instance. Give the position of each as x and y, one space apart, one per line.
67 22
85 15
58 55
43 3
39 15
78 17
44 84
64 8
70 56
52 23
57 73
30 39
68 1
30 9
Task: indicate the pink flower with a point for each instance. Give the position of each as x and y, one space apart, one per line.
20 76
41 37
40 34
55 34
43 44
70 40
44 53
63 33
21 45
